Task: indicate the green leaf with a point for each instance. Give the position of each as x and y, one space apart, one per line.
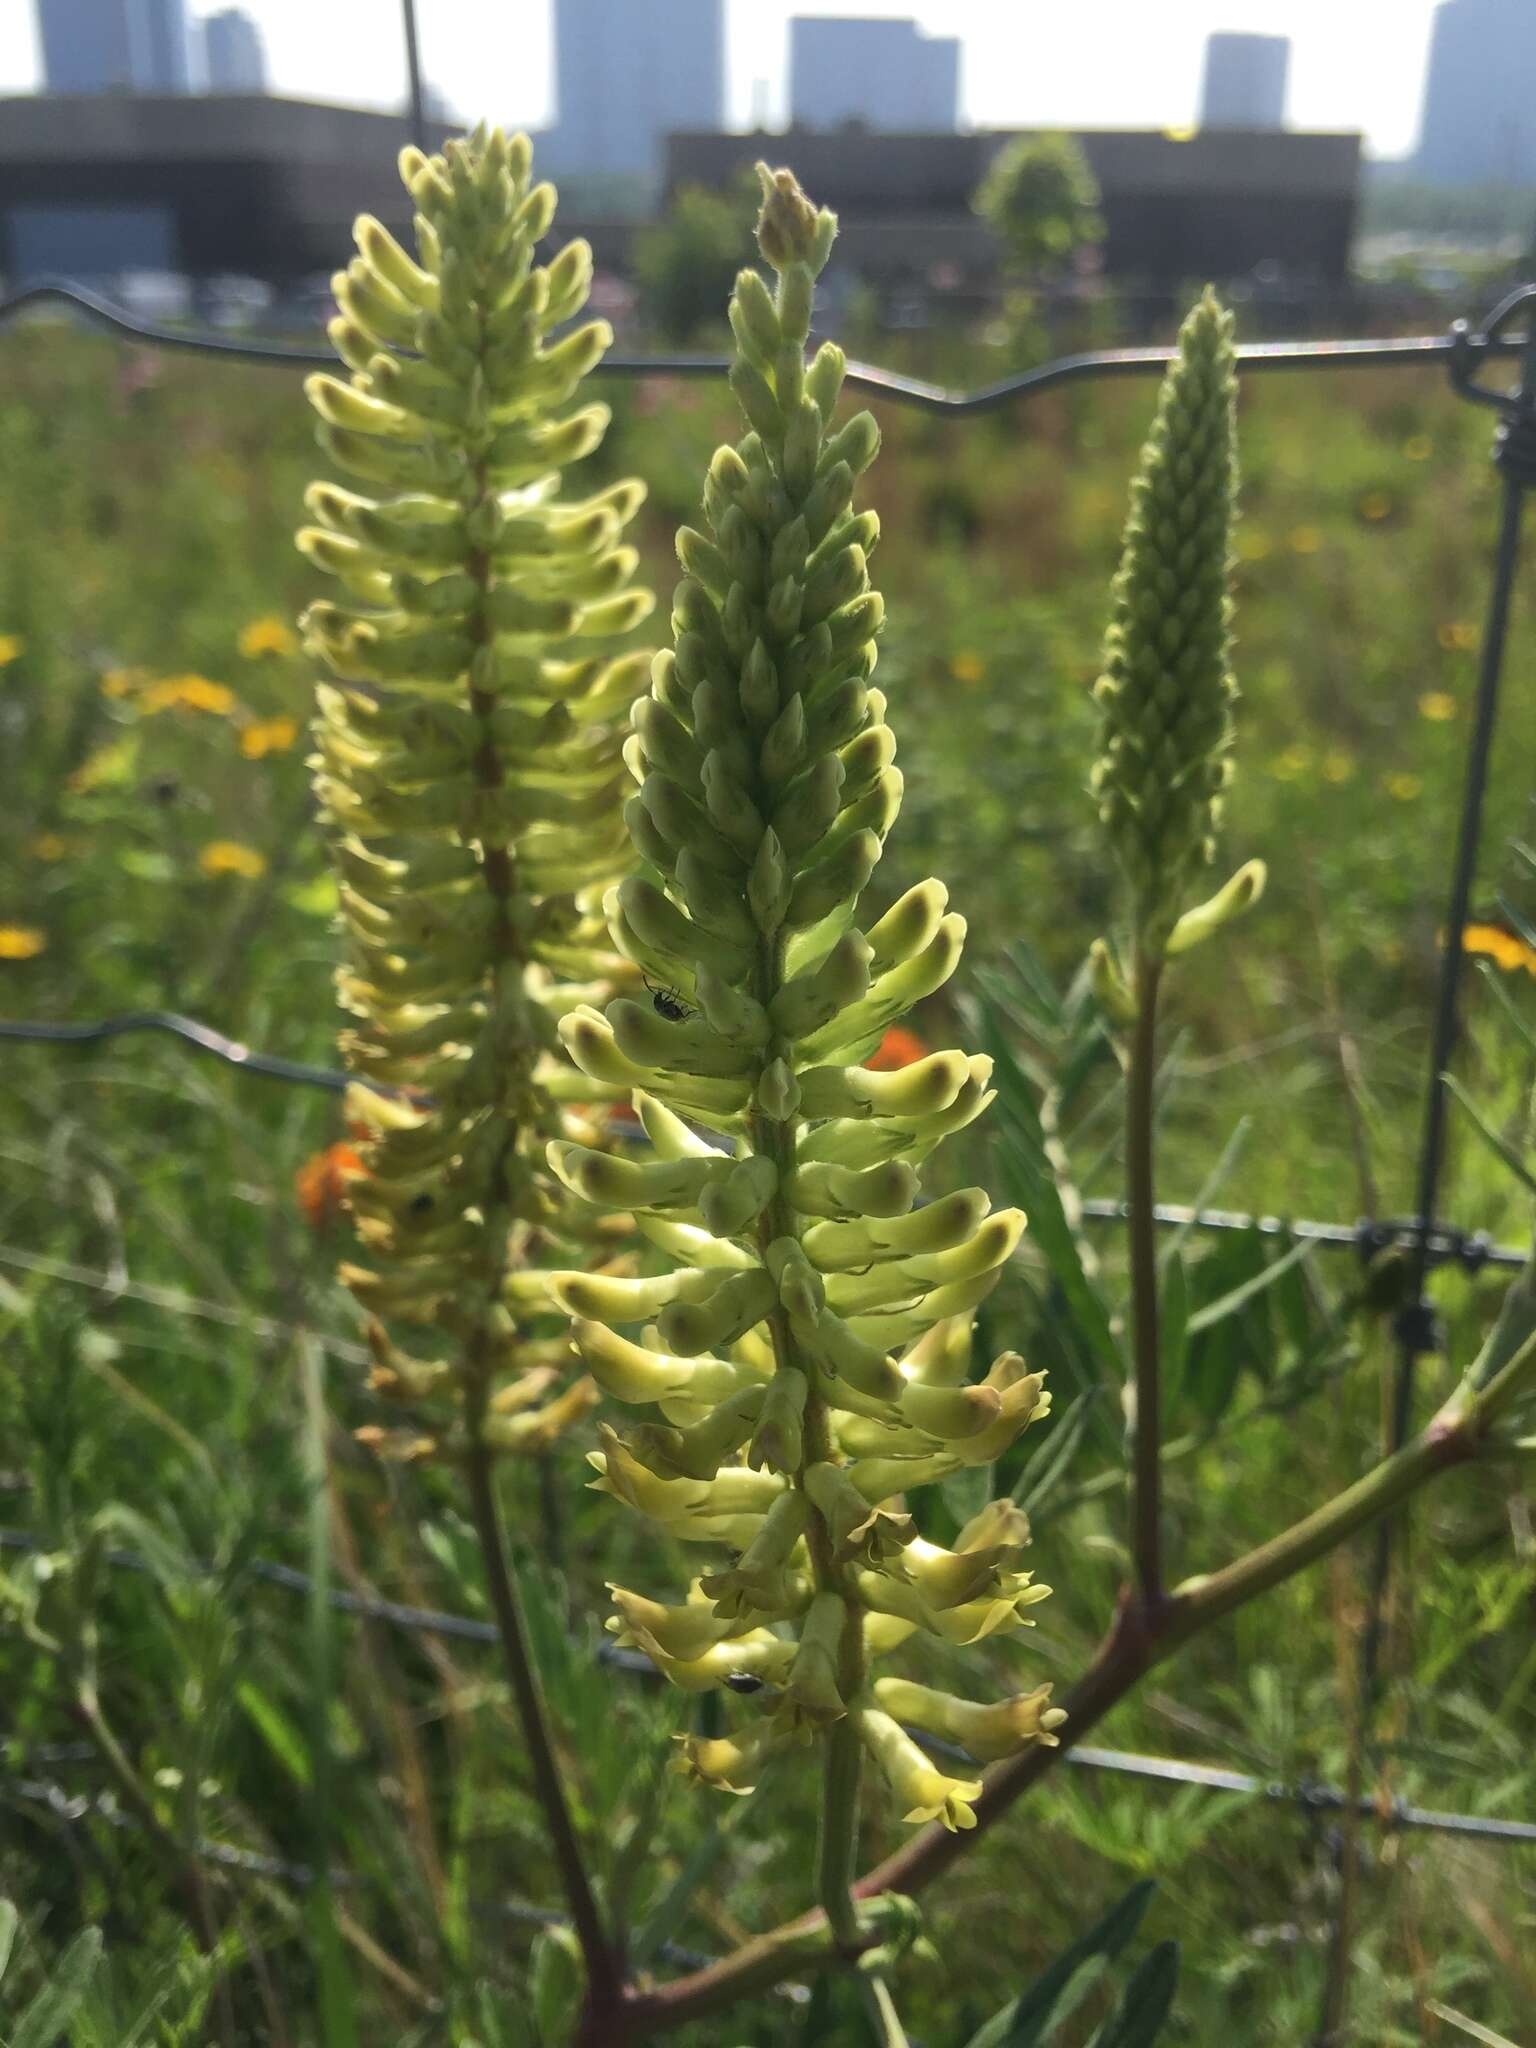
1033 2017
50 2013
1145 2002
1032 1184
1047 1464
1238 1297
275 1730
666 1916
1501 1147
10 1920
1473 2029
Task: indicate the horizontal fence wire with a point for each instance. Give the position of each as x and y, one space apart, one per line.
1447 1244
1314 1798
1400 352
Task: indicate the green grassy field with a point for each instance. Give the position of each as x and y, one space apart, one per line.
157 1265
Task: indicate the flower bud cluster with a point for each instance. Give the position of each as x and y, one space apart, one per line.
468 758
1167 689
806 1362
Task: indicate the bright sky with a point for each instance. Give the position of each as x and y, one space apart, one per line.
1096 63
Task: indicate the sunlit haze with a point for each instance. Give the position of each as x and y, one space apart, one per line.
1116 63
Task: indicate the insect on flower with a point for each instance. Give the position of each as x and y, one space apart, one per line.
668 1003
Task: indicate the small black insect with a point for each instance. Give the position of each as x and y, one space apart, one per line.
421 1204
743 1681
668 1003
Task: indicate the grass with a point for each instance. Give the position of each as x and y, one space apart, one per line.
156 842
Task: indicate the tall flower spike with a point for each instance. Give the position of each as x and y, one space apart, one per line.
1167 689
809 1356
469 755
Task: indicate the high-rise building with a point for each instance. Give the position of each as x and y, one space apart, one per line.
627 74
1479 125
113 45
234 56
1245 78
85 45
876 70
157 36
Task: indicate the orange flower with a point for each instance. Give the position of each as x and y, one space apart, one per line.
229 857
1504 948
191 693
898 1048
21 942
268 736
321 1183
267 636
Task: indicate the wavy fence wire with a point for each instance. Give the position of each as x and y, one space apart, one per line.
1467 352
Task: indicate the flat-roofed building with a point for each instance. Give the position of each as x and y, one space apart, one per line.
263 187
1219 204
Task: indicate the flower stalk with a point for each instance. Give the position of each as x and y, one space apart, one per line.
469 770
809 1355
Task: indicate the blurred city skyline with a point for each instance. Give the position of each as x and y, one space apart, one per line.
1023 63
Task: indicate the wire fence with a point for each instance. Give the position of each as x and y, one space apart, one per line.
1507 335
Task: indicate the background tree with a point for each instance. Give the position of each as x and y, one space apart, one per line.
1042 200
686 263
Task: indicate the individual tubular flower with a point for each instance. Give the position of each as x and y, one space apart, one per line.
1167 690
809 1354
468 762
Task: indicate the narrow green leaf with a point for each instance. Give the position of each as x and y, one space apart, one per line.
1501 1147
49 2015
10 1920
666 1916
1228 1305
276 1731
1214 1182
1145 2002
1473 2029
1029 2021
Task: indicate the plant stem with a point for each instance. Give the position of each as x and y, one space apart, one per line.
887 2019
1136 1642
1146 1484
605 1991
838 1838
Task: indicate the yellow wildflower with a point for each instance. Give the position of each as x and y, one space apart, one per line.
192 692
1437 706
268 736
1496 944
1339 766
1253 546
122 682
1458 636
1295 761
967 667
229 857
1305 540
21 942
1404 788
49 846
11 645
269 635
1418 448
1376 506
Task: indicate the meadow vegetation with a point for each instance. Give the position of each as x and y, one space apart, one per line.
177 1348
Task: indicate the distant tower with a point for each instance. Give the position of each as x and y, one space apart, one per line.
1245 79
627 74
85 45
113 45
234 56
875 70
157 37
1479 125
